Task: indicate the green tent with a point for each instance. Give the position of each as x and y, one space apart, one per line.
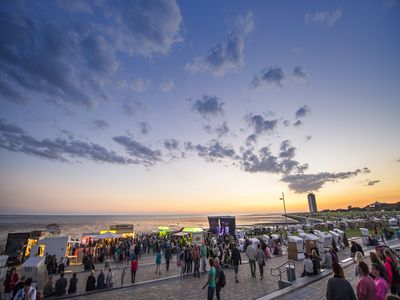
192 230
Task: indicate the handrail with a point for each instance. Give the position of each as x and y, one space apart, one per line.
291 263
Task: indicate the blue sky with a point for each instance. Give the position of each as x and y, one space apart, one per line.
225 104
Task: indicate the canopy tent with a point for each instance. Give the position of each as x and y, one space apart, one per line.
181 234
163 228
192 230
108 235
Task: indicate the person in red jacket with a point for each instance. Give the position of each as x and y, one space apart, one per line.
9 283
134 266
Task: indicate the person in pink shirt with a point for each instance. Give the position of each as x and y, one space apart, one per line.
365 288
381 285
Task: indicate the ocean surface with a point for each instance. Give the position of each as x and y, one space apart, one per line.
75 225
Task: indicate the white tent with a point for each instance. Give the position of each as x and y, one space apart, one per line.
55 245
108 235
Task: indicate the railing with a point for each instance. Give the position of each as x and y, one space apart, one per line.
288 265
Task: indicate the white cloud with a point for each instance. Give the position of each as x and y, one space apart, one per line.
167 85
140 85
324 17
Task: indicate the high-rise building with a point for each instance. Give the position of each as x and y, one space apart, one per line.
312 203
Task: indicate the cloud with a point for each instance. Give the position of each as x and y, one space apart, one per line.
244 23
300 72
372 182
208 106
286 123
308 137
213 152
140 85
298 123
145 27
287 150
221 58
133 107
303 183
75 6
323 17
167 85
59 62
14 138
251 139
302 112
270 75
100 124
171 144
144 128
261 125
220 130
139 152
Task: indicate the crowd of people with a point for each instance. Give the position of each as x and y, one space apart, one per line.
379 280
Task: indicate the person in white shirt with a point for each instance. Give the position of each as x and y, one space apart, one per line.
308 266
27 293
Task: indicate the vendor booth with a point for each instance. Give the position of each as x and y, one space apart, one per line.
295 248
163 230
19 245
196 235
56 245
35 268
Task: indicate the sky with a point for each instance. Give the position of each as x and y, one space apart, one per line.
205 107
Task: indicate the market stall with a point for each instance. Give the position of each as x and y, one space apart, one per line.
295 248
196 235
34 267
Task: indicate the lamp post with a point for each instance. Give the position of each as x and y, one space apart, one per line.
284 206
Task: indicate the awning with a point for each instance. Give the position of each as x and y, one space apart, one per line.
107 235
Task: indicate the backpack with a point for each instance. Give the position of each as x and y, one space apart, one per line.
222 279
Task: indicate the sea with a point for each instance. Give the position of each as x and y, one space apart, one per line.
75 225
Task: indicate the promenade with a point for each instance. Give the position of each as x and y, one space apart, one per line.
169 285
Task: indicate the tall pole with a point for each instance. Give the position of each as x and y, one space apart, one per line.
284 206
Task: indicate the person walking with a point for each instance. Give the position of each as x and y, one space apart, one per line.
134 267
203 257
251 255
339 288
158 262
211 280
236 260
260 258
9 283
220 279
365 286
167 255
196 260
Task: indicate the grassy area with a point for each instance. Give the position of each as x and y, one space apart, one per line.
353 232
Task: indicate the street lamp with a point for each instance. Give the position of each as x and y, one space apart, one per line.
284 206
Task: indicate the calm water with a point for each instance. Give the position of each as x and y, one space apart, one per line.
78 224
